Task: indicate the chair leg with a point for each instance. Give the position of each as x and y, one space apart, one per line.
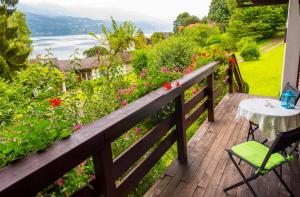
245 180
283 183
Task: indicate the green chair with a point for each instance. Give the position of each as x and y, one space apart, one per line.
265 159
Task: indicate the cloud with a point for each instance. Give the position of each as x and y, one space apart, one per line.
136 10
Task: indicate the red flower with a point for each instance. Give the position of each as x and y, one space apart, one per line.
123 103
55 102
188 70
167 86
232 61
59 182
77 127
137 130
177 84
195 91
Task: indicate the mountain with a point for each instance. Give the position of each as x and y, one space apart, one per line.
61 25
41 25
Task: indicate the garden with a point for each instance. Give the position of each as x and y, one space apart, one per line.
35 112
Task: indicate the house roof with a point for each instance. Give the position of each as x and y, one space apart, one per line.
85 63
245 3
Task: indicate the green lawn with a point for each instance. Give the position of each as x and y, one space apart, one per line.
264 75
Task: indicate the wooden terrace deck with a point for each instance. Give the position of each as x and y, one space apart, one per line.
209 169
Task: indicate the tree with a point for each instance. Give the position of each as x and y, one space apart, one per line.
219 12
10 3
116 40
119 38
257 22
96 51
14 40
156 37
184 19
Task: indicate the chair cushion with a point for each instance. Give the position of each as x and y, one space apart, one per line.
255 153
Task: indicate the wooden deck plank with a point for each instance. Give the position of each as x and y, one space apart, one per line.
205 157
210 170
205 142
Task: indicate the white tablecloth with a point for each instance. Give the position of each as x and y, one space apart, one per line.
269 115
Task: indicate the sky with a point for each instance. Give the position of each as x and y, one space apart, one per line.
136 10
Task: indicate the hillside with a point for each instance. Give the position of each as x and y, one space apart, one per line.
67 25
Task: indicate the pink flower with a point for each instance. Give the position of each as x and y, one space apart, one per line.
138 131
59 182
142 74
91 177
79 170
77 127
176 69
123 103
167 86
121 91
164 69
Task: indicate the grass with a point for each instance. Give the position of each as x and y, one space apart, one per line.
264 75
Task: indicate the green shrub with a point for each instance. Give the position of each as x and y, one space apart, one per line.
156 37
174 52
227 42
213 39
200 34
244 41
249 51
140 60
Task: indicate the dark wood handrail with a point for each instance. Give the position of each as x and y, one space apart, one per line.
234 70
35 172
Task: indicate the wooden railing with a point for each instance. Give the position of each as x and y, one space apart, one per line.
234 74
30 175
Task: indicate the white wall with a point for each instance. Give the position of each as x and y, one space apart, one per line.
292 47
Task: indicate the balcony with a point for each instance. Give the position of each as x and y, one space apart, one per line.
202 167
209 169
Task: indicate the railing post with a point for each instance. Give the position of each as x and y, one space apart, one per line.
210 97
180 129
103 163
230 77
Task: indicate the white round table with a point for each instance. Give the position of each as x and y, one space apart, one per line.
269 115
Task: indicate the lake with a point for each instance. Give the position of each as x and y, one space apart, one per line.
62 46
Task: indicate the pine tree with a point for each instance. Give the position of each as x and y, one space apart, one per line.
15 43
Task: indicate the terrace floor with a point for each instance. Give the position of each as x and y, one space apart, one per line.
209 169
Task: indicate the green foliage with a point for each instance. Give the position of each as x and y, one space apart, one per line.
156 37
96 51
174 52
219 12
200 34
15 41
119 37
214 39
140 41
140 60
249 51
227 42
257 22
11 3
184 19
